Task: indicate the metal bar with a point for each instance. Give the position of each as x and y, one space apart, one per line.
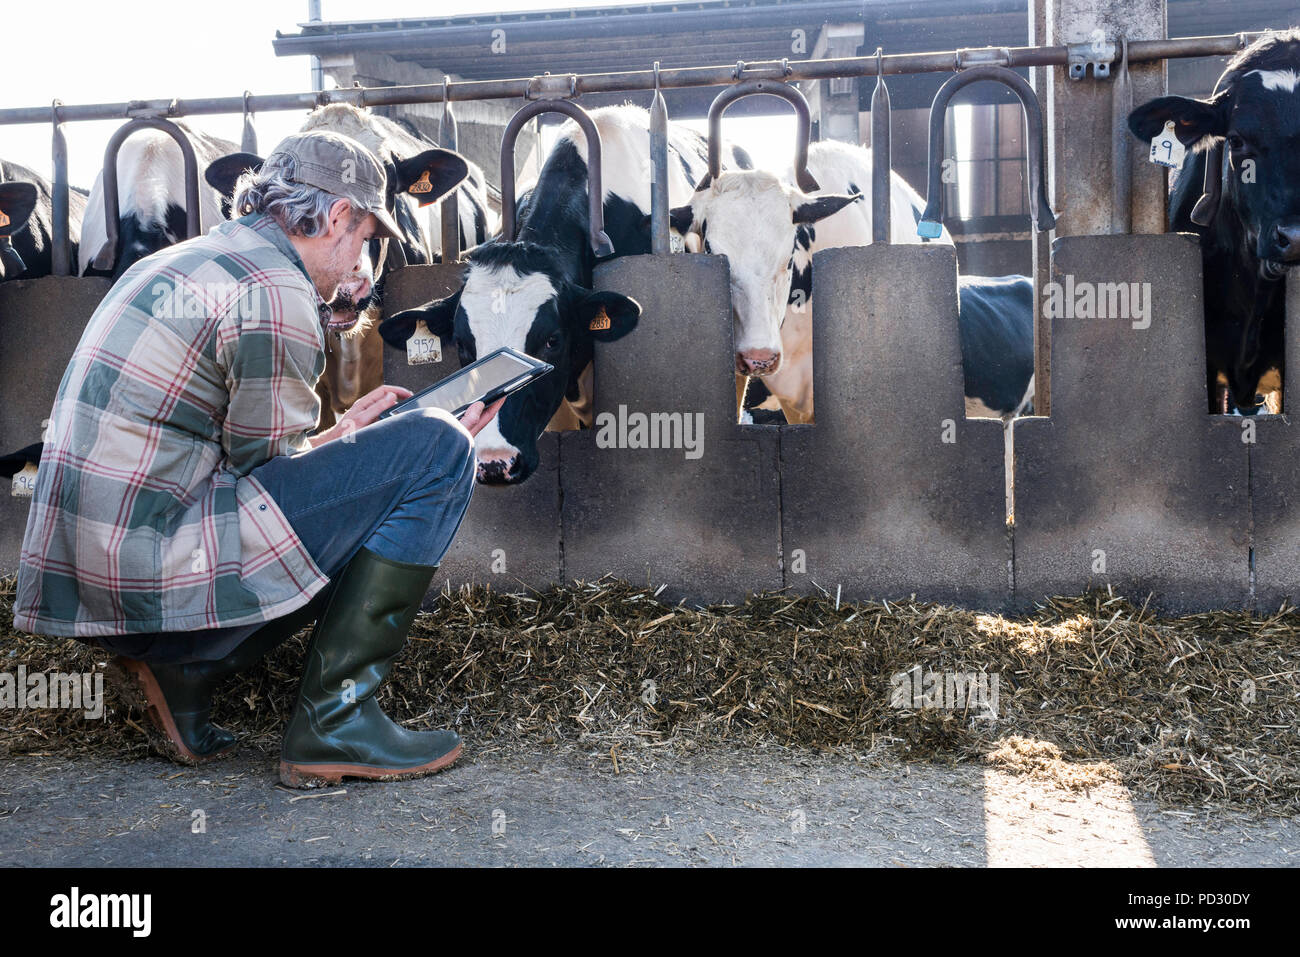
931 224
105 258
803 119
61 240
449 209
881 161
1040 244
248 137
600 243
1121 105
660 243
1139 51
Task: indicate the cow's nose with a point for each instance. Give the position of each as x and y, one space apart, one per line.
497 466
1287 239
758 362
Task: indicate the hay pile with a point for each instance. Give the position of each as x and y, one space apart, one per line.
1090 689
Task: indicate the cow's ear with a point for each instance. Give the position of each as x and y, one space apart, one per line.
439 316
17 200
1193 119
606 316
822 206
431 175
223 173
15 462
680 218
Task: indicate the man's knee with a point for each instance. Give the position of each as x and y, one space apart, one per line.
443 440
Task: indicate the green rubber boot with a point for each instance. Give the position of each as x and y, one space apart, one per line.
177 698
337 729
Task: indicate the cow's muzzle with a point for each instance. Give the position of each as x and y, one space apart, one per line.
497 467
757 362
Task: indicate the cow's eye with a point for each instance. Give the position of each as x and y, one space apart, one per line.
555 341
1236 143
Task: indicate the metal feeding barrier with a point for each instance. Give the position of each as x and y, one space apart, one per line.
755 512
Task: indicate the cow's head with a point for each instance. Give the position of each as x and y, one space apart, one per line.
515 295
1255 112
755 220
420 179
17 200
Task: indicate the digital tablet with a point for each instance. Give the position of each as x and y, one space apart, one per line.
486 380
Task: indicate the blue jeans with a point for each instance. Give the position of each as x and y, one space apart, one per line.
399 487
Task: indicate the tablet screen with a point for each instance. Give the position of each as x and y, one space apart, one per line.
470 384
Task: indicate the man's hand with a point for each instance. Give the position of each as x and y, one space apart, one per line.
364 411
476 418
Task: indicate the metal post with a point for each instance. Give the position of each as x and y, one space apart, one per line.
881 159
248 139
660 244
317 74
1085 142
1121 105
1040 244
449 209
61 242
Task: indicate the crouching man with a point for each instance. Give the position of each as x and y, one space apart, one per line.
185 520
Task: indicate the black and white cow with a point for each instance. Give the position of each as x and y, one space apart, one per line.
1253 237
534 294
769 229
418 173
151 199
997 345
26 200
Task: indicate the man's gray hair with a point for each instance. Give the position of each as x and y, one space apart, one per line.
299 209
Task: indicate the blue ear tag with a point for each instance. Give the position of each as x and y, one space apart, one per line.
928 229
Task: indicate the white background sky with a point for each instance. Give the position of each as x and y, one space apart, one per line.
90 51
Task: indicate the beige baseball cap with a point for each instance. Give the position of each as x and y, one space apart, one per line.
340 165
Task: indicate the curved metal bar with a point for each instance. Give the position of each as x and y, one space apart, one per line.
600 243
931 224
104 259
753 88
881 157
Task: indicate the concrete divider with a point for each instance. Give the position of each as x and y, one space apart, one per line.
1131 483
510 535
893 492
1275 483
41 321
701 515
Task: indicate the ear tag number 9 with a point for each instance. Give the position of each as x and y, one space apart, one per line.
1167 149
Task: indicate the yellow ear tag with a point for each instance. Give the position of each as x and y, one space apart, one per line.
4 220
421 185
599 321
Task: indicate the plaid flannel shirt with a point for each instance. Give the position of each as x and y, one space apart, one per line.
199 365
